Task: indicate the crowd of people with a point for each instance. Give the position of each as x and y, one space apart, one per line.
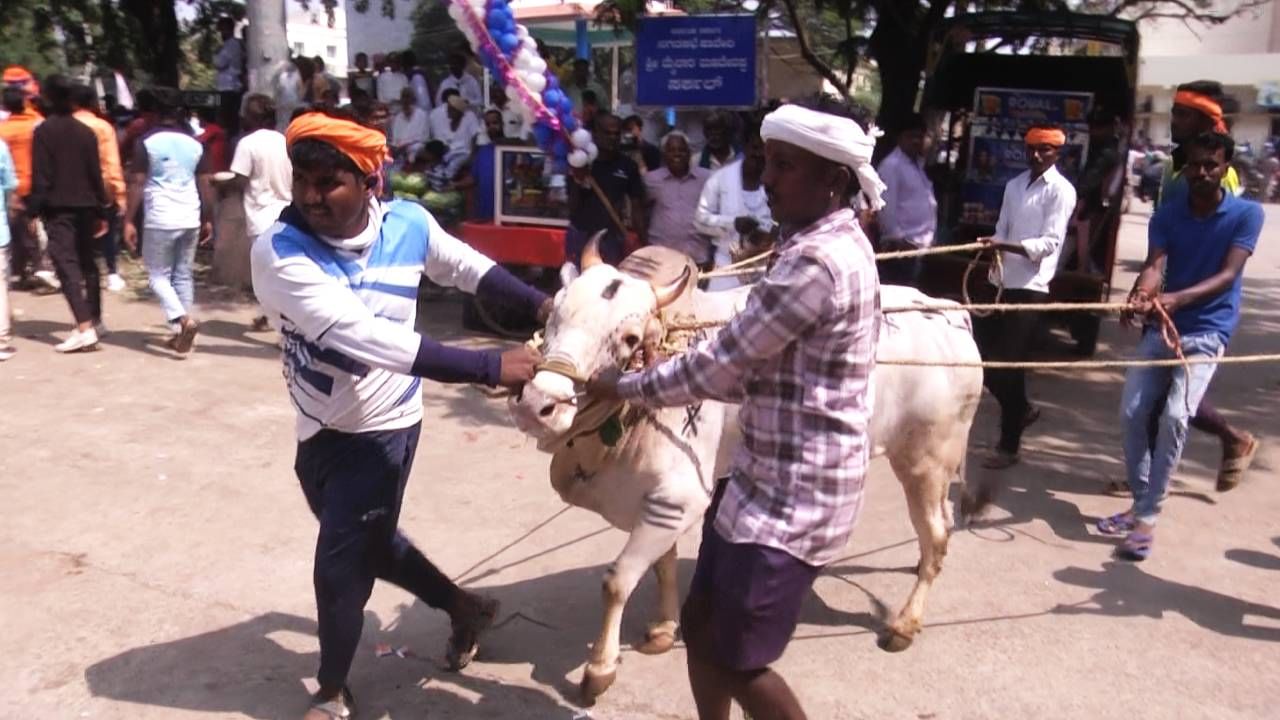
335 268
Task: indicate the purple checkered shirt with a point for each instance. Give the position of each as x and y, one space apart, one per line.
799 360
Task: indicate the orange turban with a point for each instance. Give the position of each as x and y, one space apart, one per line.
1046 136
366 147
1203 104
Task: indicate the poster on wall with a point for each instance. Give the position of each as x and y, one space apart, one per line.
696 61
997 152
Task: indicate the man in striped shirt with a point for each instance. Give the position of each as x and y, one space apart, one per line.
338 275
799 360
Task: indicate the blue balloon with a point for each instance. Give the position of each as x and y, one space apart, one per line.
542 133
552 97
553 83
560 149
570 123
566 105
509 42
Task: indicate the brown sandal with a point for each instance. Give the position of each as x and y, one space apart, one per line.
342 707
1232 470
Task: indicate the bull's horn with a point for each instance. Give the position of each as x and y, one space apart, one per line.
668 294
591 253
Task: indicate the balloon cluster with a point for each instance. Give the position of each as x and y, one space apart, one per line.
511 55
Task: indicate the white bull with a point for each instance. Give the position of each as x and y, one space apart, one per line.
654 479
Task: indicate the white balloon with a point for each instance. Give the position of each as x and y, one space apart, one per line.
522 32
478 6
593 152
529 44
538 65
581 138
523 62
579 158
536 82
455 12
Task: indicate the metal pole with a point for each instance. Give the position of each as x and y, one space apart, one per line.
614 80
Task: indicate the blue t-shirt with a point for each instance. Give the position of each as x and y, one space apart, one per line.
1195 248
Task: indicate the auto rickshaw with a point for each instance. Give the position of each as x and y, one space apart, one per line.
991 75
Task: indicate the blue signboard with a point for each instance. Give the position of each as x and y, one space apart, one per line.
997 152
699 61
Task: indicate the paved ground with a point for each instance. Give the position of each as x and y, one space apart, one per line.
156 554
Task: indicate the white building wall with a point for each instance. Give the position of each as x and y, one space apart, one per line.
310 34
1242 53
1252 31
373 33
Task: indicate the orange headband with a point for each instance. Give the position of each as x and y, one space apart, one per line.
1046 136
1203 104
366 147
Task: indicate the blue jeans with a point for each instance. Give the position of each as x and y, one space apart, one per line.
1174 394
169 255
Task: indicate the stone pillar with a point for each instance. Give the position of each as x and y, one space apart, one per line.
231 242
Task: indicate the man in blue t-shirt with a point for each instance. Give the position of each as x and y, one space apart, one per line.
1198 246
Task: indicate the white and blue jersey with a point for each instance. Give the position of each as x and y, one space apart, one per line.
346 308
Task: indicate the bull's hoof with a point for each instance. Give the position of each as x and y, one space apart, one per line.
660 638
894 641
594 684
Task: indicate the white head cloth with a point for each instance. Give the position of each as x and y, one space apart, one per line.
835 138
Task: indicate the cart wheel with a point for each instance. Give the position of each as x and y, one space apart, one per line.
1085 329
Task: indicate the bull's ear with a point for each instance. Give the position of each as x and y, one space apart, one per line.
591 253
668 294
568 273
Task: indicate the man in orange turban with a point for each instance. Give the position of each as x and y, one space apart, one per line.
1030 233
1198 107
338 276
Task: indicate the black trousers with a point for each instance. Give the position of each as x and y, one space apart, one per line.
73 250
354 483
1008 337
25 257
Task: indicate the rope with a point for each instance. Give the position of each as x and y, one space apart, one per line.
743 267
1013 307
938 250
968 270
1089 364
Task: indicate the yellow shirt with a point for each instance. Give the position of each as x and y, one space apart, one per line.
108 155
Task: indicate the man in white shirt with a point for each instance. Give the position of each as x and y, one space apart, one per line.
455 126
409 127
262 174
733 206
910 214
229 62
338 276
391 82
514 126
459 80
1033 223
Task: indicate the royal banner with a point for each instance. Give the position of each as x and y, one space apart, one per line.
997 152
696 62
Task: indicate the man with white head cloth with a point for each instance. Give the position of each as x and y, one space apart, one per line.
798 359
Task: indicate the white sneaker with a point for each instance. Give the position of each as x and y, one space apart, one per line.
115 283
7 351
78 342
49 279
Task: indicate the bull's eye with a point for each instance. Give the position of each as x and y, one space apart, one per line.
632 340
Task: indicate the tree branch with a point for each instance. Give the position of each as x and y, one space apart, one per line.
806 51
